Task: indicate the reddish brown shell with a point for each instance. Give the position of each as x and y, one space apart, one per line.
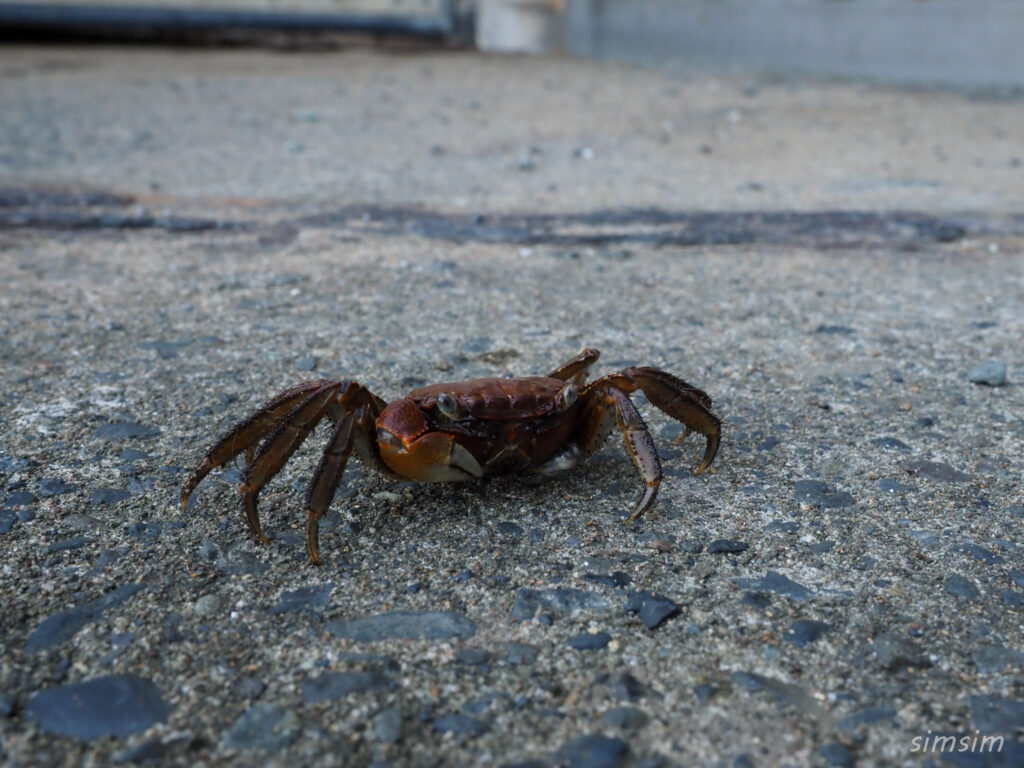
496 399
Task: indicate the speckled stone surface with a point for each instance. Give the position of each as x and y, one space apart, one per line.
183 235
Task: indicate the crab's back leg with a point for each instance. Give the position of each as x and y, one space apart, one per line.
606 405
683 402
575 370
279 447
246 434
327 476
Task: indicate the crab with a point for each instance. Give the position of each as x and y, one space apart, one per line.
459 431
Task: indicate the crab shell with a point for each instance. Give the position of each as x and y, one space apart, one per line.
465 430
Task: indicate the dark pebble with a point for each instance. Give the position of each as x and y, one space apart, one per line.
593 751
143 530
928 538
623 686
782 692
822 547
463 725
979 553
165 350
11 464
118 704
387 725
590 641
820 494
510 529
65 545
131 454
8 703
804 631
59 627
148 751
991 373
891 444
991 659
521 653
26 515
558 600
109 495
961 586
834 330
936 470
263 726
54 486
7 520
895 652
124 430
248 687
313 596
338 685
995 714
1012 598
776 582
836 753
728 546
433 625
783 526
626 718
615 580
473 657
1017 577
651 608
478 344
20 499
759 600
494 700
867 716
888 485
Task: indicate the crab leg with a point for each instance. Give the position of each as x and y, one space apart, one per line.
325 480
608 406
246 434
575 370
279 447
682 401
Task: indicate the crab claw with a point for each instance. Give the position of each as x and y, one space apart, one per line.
411 449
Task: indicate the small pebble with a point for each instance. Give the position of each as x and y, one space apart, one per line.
992 373
590 641
961 587
593 751
118 704
461 724
387 725
727 546
208 605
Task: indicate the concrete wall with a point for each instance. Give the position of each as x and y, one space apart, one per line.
959 42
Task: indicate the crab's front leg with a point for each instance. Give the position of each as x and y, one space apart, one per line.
683 402
607 406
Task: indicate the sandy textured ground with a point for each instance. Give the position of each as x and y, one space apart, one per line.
185 234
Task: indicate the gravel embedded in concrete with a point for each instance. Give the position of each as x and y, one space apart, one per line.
172 260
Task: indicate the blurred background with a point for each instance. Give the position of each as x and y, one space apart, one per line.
968 43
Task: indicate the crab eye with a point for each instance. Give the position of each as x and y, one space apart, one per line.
448 405
567 396
386 438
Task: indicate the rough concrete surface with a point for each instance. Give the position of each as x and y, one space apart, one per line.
183 234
